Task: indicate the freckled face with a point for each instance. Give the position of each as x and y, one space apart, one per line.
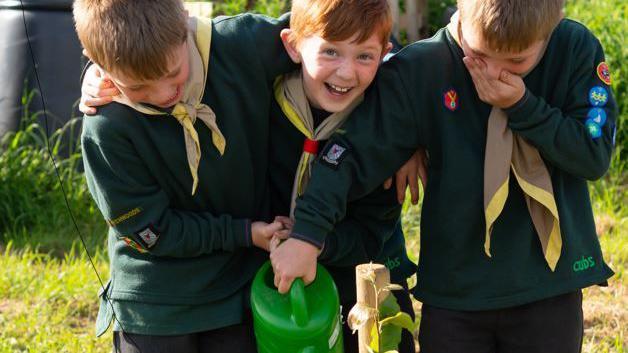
163 92
336 73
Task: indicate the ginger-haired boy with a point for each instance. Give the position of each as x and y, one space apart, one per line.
514 107
340 45
177 167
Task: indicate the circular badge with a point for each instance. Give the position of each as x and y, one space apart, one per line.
603 73
598 96
450 100
594 129
598 115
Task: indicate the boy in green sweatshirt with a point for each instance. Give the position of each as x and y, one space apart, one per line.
514 107
339 45
177 167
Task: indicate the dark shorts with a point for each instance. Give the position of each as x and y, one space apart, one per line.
407 341
236 338
553 325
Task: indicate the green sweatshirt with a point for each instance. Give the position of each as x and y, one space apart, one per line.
410 105
371 230
181 263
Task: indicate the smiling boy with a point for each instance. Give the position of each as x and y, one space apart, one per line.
514 106
339 45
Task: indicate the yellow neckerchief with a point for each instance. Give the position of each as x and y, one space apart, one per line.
290 95
505 151
190 106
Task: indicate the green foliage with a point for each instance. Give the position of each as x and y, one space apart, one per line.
267 7
32 207
436 11
607 20
48 304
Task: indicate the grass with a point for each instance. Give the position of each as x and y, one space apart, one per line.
48 289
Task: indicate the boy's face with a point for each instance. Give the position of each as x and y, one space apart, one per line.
336 73
163 92
517 63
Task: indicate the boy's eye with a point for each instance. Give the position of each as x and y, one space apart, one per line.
365 57
330 52
517 61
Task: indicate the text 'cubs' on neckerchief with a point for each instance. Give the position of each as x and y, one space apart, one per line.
506 151
290 95
190 107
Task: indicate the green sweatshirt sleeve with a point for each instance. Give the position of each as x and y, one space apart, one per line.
257 38
137 208
379 136
360 237
576 137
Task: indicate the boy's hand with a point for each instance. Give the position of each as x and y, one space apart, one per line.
502 92
409 175
96 90
284 233
262 233
292 259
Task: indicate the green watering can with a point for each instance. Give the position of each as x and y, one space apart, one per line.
306 320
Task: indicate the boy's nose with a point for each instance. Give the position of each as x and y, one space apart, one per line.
346 70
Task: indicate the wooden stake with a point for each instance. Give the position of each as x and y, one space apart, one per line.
366 295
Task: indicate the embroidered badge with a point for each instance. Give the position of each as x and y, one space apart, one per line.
148 236
598 115
598 96
133 244
132 213
334 155
594 129
450 100
603 73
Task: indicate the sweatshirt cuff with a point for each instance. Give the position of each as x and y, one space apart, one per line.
523 109
242 232
309 233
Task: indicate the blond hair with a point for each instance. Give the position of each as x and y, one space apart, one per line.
337 20
512 25
136 38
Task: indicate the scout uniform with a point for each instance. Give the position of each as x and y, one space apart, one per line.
424 96
370 229
179 190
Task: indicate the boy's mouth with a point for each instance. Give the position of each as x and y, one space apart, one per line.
338 90
172 100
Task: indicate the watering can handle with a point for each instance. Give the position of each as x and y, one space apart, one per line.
298 303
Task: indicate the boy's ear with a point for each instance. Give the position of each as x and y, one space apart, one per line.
386 50
290 46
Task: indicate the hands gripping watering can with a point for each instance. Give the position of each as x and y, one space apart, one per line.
306 320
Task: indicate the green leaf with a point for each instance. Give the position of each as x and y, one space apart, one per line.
389 338
389 307
374 345
401 319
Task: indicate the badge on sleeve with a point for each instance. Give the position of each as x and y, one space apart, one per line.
594 129
131 243
598 115
603 73
450 99
148 236
334 154
598 96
